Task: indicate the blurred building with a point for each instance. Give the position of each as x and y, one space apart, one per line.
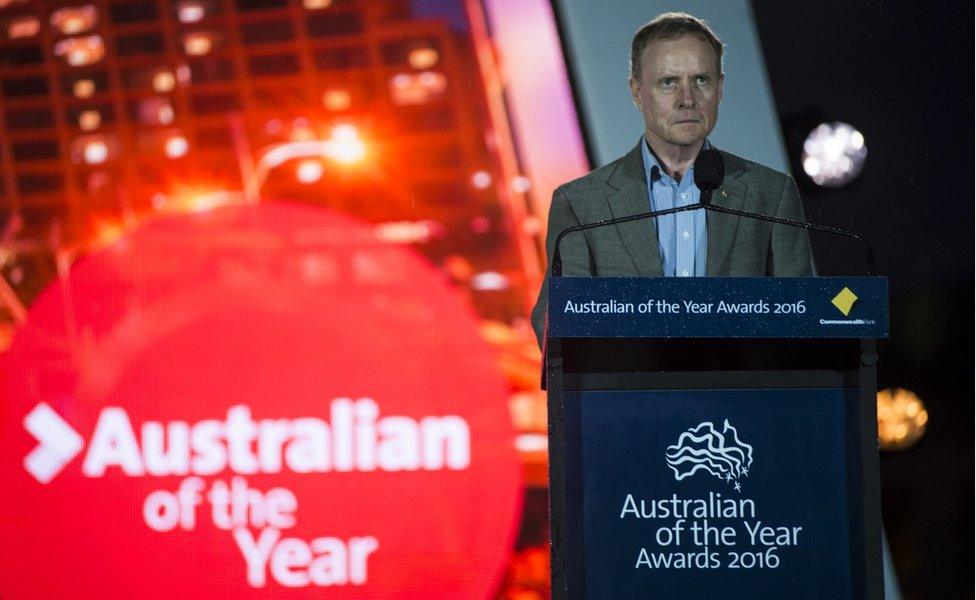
112 110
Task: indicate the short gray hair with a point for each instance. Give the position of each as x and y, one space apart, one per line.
669 26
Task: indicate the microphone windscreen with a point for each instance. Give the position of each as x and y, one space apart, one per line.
709 170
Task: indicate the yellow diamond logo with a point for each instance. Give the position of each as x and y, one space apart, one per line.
844 301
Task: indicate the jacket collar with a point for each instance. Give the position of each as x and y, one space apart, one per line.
630 197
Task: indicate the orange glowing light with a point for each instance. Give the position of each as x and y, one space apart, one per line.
95 152
23 28
74 19
107 233
197 44
84 88
316 4
902 418
309 171
89 120
337 99
423 58
80 51
164 81
177 146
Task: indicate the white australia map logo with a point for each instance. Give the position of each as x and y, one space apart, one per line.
704 448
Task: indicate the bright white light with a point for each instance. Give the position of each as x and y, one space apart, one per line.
345 132
345 146
531 442
521 184
309 171
489 281
95 152
190 12
834 154
408 232
481 180
177 146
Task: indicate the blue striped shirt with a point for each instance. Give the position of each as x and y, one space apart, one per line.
682 238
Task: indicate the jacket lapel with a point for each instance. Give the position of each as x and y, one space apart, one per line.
631 198
721 227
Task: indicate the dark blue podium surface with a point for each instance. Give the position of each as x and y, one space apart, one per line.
719 442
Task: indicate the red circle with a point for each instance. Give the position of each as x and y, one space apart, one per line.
284 310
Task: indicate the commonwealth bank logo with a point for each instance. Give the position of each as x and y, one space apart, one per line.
844 301
719 453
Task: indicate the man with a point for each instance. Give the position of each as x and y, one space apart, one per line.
676 82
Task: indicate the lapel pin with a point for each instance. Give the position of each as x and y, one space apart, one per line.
724 194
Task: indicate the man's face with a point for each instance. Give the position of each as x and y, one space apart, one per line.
679 91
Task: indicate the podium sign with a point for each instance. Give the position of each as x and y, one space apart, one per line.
696 454
692 493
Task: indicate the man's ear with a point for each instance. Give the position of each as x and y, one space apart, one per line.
635 94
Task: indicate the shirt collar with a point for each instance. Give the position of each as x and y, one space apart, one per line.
651 160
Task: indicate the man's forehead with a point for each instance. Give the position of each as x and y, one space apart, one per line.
677 51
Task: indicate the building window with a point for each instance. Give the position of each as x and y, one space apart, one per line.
260 4
200 43
214 103
72 20
147 43
420 53
211 69
133 12
328 24
194 11
417 88
80 51
23 27
267 32
76 114
338 59
28 86
274 64
32 183
32 118
21 55
152 111
36 150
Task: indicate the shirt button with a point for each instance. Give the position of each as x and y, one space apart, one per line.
684 195
685 235
684 273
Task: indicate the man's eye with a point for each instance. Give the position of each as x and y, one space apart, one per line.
702 79
669 82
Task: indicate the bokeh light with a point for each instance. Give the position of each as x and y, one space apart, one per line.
834 154
902 418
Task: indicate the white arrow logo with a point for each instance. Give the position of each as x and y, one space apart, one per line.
59 443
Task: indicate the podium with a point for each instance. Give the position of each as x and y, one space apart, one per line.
714 437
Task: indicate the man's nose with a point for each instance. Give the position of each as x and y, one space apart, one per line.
686 95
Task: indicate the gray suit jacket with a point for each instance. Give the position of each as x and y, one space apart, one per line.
737 247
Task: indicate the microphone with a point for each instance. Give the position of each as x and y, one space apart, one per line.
709 174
